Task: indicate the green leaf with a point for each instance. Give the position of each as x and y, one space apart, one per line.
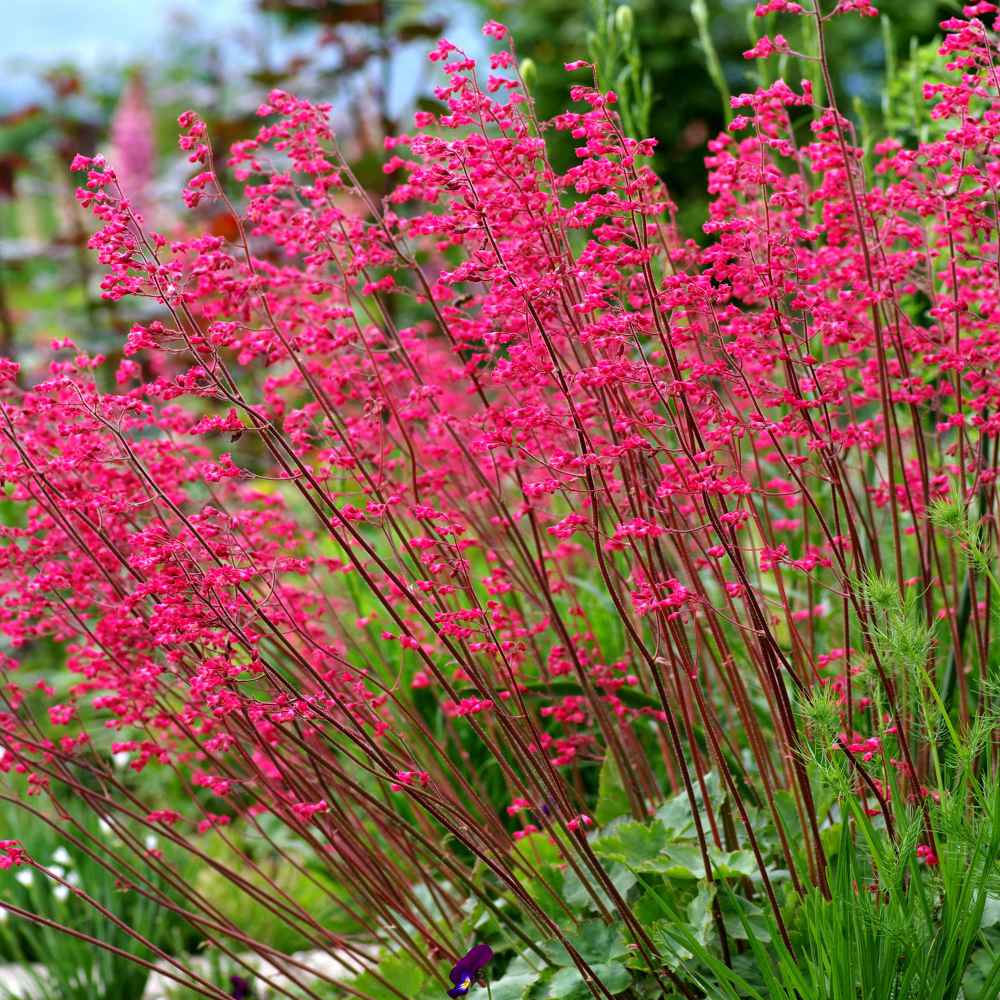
513 987
637 845
596 943
682 861
649 848
675 815
699 912
599 942
733 864
831 838
520 966
611 798
651 906
546 891
668 936
399 972
743 919
538 849
579 898
991 911
568 984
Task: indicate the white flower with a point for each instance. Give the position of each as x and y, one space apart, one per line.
25 876
62 857
61 892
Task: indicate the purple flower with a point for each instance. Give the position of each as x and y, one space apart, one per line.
468 967
241 988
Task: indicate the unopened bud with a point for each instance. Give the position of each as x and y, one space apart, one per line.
625 20
529 72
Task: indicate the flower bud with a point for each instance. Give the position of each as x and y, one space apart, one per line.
529 73
625 20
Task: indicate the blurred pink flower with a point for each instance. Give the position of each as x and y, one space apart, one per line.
133 152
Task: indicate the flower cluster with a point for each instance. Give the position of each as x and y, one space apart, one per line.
373 483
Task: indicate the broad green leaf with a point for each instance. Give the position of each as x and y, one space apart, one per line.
831 838
399 972
636 845
521 966
743 918
682 861
675 815
611 798
538 850
652 905
699 912
649 848
668 936
991 911
579 899
596 943
513 987
733 864
568 984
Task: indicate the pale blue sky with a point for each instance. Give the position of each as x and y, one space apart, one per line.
108 33
93 29
94 34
